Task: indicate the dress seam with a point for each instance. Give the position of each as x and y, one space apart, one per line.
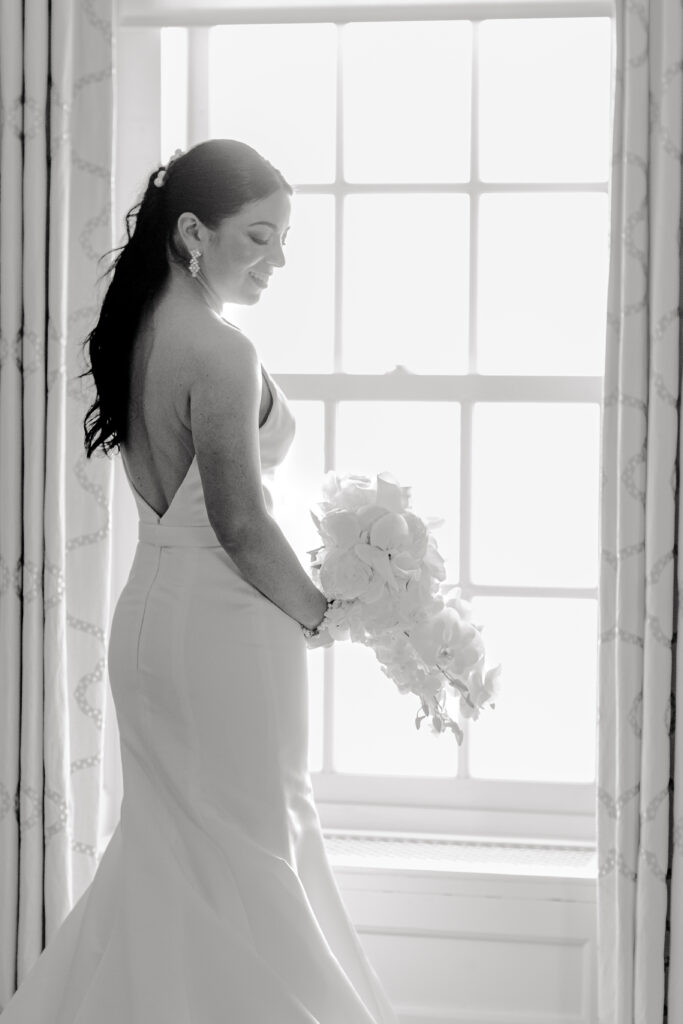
143 616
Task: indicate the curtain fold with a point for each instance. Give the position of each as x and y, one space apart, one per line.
640 817
56 122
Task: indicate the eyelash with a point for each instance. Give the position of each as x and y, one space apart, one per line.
259 241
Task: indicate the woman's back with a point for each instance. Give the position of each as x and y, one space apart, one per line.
159 447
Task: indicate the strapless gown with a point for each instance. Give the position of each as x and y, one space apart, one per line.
214 901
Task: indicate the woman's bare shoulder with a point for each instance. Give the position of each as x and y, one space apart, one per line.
211 346
205 334
203 352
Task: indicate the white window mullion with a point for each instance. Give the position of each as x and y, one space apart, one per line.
330 430
223 12
474 201
465 481
465 547
473 188
339 205
402 386
175 78
330 440
198 125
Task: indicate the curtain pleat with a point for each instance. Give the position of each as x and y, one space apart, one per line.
11 444
34 301
640 827
56 93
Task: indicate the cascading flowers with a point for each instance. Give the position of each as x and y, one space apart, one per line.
380 567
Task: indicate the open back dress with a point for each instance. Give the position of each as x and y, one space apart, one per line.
214 902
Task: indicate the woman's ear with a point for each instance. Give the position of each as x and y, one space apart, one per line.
191 230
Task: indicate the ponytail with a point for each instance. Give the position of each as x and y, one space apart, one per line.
213 180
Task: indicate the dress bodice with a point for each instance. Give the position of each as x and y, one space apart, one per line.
188 508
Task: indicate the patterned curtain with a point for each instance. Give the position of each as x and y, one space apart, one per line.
640 772
55 221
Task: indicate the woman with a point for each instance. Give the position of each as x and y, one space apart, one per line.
214 900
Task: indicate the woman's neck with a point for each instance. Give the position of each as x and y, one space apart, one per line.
197 290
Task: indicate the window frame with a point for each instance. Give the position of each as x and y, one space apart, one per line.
462 806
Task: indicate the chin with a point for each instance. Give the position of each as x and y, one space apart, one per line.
243 299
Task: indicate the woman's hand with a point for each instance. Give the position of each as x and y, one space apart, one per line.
321 638
319 635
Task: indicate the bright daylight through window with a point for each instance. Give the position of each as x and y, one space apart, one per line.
441 316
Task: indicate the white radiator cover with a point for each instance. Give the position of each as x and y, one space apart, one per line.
474 932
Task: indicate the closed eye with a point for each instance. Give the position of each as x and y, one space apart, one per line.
262 241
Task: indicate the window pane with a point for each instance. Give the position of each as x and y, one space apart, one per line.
544 99
296 488
403 82
292 324
374 724
535 494
273 87
542 290
402 438
543 725
406 283
297 479
173 91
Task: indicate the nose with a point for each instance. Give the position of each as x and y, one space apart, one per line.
277 255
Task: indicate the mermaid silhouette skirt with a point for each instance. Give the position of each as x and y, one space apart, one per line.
214 902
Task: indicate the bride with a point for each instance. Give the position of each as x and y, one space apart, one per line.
214 902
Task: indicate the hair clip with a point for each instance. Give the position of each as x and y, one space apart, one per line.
161 176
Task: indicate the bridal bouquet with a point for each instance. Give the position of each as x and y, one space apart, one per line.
380 567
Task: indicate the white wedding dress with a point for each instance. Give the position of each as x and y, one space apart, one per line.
214 902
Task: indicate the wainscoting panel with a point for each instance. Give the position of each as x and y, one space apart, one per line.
475 948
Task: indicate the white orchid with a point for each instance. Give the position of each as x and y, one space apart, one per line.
381 567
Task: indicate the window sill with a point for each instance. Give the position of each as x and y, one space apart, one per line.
420 861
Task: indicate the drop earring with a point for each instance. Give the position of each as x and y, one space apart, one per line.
194 262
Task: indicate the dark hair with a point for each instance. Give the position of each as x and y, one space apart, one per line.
213 180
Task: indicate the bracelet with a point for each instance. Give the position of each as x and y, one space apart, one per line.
311 634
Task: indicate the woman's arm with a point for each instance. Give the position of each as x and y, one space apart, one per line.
224 383
265 557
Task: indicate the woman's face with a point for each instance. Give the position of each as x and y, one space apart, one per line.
244 250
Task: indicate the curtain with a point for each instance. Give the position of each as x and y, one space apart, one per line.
55 222
640 781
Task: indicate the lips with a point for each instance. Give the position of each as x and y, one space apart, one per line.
261 279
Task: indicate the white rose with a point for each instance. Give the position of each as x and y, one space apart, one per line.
369 514
375 591
356 490
332 487
337 622
417 544
433 561
405 567
344 576
389 532
340 529
391 494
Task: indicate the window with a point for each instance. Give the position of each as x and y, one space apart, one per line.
442 317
